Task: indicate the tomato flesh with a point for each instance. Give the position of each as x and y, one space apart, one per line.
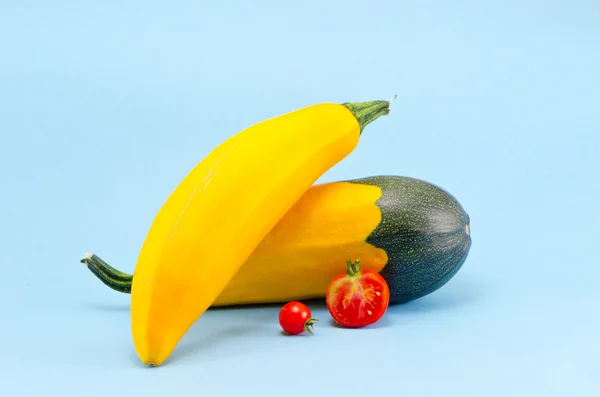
358 300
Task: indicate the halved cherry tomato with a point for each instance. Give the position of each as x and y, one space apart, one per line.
295 318
357 298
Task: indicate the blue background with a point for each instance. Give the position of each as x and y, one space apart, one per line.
105 106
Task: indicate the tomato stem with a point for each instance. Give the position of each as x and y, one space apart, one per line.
353 268
309 324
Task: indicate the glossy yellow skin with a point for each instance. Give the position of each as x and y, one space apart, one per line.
310 245
220 213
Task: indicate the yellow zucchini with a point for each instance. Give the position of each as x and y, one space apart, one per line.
222 210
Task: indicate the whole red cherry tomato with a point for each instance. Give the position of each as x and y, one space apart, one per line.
357 298
295 318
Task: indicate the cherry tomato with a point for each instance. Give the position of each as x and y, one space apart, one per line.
358 297
295 318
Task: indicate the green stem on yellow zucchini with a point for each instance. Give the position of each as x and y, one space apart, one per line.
106 268
367 112
113 278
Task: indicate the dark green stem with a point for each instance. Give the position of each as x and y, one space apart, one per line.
113 278
367 112
106 268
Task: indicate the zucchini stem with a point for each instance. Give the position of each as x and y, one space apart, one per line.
111 277
106 268
367 112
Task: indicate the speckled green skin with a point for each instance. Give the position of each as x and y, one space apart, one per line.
424 231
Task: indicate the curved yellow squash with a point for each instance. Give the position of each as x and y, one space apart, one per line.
224 208
309 246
